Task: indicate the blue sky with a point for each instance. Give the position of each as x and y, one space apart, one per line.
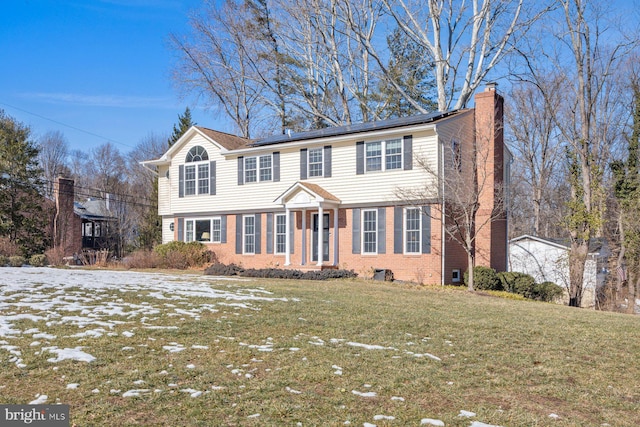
96 70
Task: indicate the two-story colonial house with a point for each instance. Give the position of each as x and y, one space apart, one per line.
329 198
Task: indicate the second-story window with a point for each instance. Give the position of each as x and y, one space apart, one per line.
315 162
259 168
196 172
383 155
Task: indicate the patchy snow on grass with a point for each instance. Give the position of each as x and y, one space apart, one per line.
69 354
432 422
364 394
370 346
40 399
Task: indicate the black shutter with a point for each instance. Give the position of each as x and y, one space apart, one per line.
382 235
327 161
276 166
270 227
212 178
397 230
303 163
258 224
181 181
426 230
240 170
408 152
355 244
359 157
238 234
223 229
181 229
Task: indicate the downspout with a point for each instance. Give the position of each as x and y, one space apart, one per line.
442 215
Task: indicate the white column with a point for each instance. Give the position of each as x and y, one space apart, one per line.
335 236
304 237
320 234
287 226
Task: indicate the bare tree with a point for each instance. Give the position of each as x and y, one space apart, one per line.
466 194
146 222
466 41
534 138
53 157
216 63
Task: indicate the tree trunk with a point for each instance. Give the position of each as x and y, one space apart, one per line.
471 264
632 285
577 259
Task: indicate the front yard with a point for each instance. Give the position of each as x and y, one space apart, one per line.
129 348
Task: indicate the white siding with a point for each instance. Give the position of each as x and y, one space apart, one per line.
546 262
345 184
167 234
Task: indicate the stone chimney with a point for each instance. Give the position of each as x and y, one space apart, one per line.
67 225
491 240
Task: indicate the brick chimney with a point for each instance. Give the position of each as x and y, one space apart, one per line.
491 240
67 225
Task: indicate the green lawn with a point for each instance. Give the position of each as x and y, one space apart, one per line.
316 353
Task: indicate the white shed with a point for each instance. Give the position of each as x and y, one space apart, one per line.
548 260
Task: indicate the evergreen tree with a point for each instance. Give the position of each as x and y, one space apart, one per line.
183 125
410 66
627 192
22 218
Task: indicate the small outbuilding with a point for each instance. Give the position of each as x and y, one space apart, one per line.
547 260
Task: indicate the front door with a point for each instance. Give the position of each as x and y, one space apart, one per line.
325 238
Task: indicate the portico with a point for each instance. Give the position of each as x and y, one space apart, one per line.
307 197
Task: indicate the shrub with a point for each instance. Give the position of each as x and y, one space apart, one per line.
484 278
55 256
219 269
17 261
142 259
39 260
8 248
4 261
183 255
546 291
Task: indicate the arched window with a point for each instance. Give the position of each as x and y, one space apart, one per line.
196 177
197 154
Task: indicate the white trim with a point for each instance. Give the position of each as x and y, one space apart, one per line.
404 231
257 169
362 232
321 149
275 233
383 154
194 230
244 235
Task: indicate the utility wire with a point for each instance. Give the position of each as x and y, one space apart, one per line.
66 125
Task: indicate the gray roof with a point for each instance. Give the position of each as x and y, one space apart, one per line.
353 128
92 209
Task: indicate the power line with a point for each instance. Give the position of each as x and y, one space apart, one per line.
66 125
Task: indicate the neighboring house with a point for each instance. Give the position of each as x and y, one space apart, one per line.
80 226
547 260
328 198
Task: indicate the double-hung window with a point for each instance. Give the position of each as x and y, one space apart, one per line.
281 234
196 172
412 230
258 168
249 234
369 231
315 162
383 155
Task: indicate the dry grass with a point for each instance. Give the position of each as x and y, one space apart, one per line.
513 363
